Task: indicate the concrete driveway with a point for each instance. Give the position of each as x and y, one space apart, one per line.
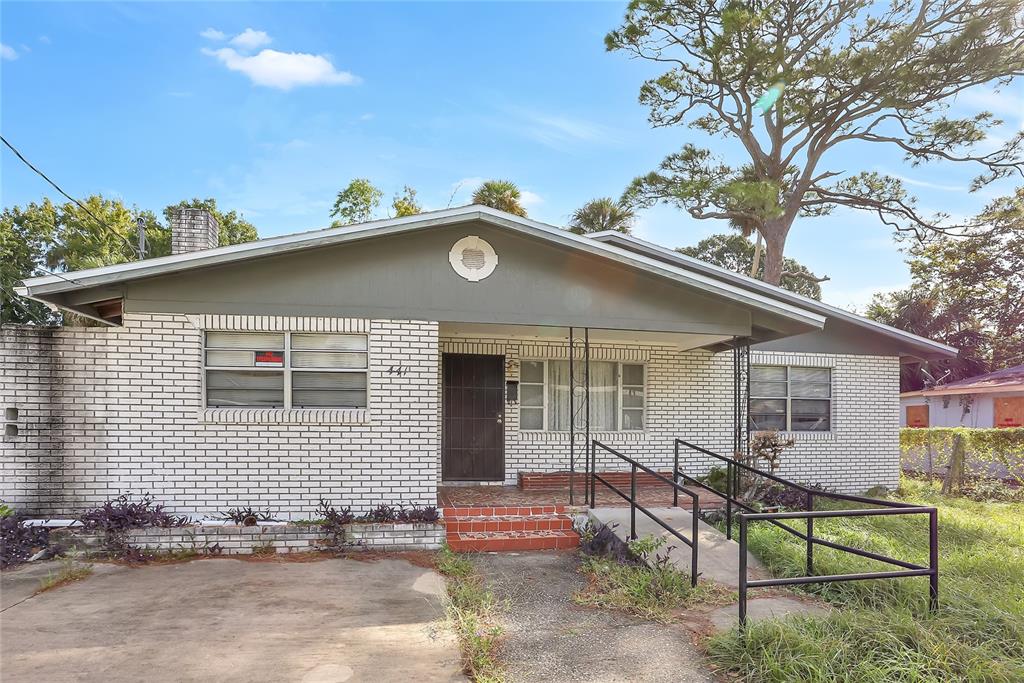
230 620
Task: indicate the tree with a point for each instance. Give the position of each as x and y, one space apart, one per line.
68 238
356 203
966 292
602 214
24 238
502 195
405 204
736 253
843 71
234 229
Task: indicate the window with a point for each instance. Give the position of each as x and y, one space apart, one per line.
790 398
617 400
285 370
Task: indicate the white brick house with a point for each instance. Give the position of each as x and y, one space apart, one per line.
368 364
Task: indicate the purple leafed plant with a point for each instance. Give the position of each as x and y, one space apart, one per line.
19 542
121 514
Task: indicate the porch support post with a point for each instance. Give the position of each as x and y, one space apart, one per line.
572 420
586 397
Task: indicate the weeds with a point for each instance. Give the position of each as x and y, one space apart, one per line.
882 631
69 573
471 609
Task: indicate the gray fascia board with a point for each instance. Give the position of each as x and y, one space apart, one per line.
40 286
610 237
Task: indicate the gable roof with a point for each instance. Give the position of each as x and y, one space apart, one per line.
625 250
1007 379
667 255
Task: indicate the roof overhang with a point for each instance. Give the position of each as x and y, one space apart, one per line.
83 291
926 349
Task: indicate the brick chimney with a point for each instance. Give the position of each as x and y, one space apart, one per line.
194 230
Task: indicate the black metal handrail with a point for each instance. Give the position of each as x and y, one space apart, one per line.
886 508
692 542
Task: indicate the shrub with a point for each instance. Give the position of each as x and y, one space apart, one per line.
6 510
19 542
115 517
247 516
334 521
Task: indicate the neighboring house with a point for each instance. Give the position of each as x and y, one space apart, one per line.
370 363
995 399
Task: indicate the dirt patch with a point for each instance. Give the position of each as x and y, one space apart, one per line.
550 638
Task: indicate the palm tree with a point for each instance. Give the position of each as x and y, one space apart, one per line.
502 195
602 214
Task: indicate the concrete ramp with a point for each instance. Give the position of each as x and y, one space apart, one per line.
717 556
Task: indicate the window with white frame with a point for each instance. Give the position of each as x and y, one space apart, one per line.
285 370
617 395
790 398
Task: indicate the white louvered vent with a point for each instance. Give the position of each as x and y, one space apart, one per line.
473 258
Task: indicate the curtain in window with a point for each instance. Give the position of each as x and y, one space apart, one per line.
604 395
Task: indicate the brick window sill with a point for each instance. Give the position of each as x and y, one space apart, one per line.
625 435
809 436
284 417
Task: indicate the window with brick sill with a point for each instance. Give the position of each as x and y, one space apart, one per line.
285 370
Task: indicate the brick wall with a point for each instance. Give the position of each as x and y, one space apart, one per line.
104 411
193 230
689 396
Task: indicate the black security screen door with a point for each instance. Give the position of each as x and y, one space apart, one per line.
473 433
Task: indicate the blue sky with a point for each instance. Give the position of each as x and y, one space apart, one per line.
272 108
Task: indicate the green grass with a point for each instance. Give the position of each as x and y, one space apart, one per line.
471 610
654 593
881 630
69 573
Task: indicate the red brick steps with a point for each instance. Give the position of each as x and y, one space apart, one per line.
490 529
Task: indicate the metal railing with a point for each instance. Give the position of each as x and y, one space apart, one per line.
691 542
750 514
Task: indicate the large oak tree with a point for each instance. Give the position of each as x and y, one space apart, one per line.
851 72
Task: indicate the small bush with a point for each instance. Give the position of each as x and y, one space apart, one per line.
985 489
115 517
247 516
6 510
19 542
334 521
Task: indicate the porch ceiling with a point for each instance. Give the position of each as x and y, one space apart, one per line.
684 341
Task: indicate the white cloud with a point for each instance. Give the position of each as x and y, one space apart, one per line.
45 40
527 198
366 117
283 70
213 34
250 39
558 131
7 52
923 183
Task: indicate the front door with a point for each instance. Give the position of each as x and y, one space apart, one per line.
473 405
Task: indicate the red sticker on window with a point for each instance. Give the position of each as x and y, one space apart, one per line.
271 358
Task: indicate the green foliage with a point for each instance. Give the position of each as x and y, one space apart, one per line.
6 510
471 610
405 204
25 235
69 572
356 203
233 228
984 447
503 195
736 253
601 214
66 238
852 72
654 592
966 292
880 631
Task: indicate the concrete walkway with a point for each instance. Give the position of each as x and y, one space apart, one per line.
717 556
231 620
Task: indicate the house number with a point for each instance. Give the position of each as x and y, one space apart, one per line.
399 370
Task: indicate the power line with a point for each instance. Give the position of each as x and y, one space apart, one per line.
70 198
15 299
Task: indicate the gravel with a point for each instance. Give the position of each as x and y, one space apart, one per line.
550 638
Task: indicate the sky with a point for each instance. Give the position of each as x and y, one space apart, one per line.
272 108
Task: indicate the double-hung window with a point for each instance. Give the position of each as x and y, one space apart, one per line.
617 395
788 398
285 370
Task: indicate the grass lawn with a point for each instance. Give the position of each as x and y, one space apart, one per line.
881 630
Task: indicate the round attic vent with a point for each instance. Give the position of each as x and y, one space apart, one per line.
473 258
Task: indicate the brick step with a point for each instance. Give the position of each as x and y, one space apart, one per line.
508 523
499 541
475 511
